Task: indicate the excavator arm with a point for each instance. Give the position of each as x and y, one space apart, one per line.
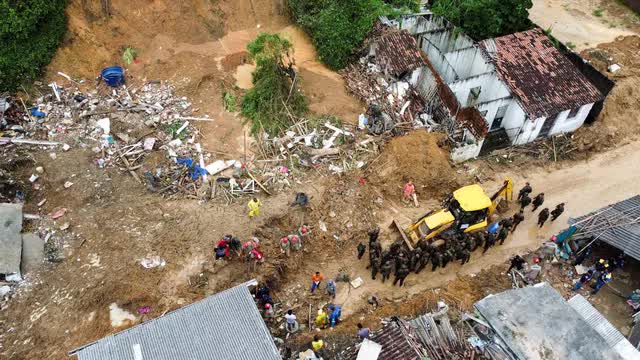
505 192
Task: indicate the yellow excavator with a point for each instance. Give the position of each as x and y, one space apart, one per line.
465 210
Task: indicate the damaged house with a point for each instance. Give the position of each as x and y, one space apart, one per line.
498 92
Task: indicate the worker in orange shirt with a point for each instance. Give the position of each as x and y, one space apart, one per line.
316 280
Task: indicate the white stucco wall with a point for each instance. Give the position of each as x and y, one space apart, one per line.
513 120
491 88
447 40
492 108
466 152
564 124
468 62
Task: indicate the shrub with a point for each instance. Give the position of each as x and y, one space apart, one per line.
30 32
274 96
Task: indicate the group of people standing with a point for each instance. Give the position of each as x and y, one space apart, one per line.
294 241
538 200
248 251
599 273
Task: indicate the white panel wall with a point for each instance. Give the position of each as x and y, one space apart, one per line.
564 124
513 121
491 88
447 40
468 62
492 108
439 62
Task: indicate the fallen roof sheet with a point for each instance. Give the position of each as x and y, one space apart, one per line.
543 80
609 333
397 52
10 238
625 235
224 326
537 323
396 341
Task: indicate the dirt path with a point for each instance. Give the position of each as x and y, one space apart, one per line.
585 187
584 23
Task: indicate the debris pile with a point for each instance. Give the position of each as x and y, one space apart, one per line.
555 148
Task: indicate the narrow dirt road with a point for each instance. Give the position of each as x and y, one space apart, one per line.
584 187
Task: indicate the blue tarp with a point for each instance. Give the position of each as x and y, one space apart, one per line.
195 171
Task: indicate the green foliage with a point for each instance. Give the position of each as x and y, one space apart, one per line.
338 27
230 102
570 45
30 32
130 54
598 12
483 19
274 97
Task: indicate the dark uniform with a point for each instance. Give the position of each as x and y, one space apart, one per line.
385 270
436 260
525 201
517 219
375 267
539 200
480 239
525 191
502 235
543 216
557 211
424 260
415 259
465 256
401 274
361 249
446 257
491 240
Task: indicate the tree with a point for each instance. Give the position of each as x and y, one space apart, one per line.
483 19
338 27
274 97
30 33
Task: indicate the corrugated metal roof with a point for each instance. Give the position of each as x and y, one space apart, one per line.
10 238
625 235
599 323
225 326
592 316
397 341
536 323
543 80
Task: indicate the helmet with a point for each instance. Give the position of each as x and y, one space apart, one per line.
320 312
267 306
536 260
304 230
601 261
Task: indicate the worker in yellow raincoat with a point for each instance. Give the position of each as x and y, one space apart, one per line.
322 320
254 207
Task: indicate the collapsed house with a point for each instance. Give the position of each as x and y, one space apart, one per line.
486 95
223 326
537 323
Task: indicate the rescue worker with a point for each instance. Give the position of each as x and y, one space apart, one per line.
363 332
446 257
525 201
525 191
304 231
537 201
416 254
557 211
437 260
603 279
235 245
322 319
507 223
385 270
466 255
481 239
254 207
291 321
316 345
316 279
408 192
361 249
517 219
584 279
489 242
285 245
401 274
296 243
331 288
502 235
334 317
543 216
375 267
470 242
424 260
517 263
373 236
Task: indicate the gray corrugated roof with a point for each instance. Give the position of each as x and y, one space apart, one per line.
225 326
624 236
536 323
10 238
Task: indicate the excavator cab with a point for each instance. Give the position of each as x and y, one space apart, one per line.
465 210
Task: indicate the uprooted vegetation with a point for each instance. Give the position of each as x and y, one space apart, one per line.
275 98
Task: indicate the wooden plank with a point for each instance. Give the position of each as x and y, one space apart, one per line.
258 182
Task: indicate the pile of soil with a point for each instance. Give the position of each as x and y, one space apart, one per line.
618 121
419 156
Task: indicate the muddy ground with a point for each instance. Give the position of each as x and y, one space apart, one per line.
114 222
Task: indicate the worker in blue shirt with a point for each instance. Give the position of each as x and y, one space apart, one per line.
334 317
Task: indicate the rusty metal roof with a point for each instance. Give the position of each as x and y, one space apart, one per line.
543 80
397 52
398 342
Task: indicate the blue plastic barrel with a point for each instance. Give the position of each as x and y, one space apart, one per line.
113 76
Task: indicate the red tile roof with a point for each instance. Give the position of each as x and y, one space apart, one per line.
397 52
544 81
